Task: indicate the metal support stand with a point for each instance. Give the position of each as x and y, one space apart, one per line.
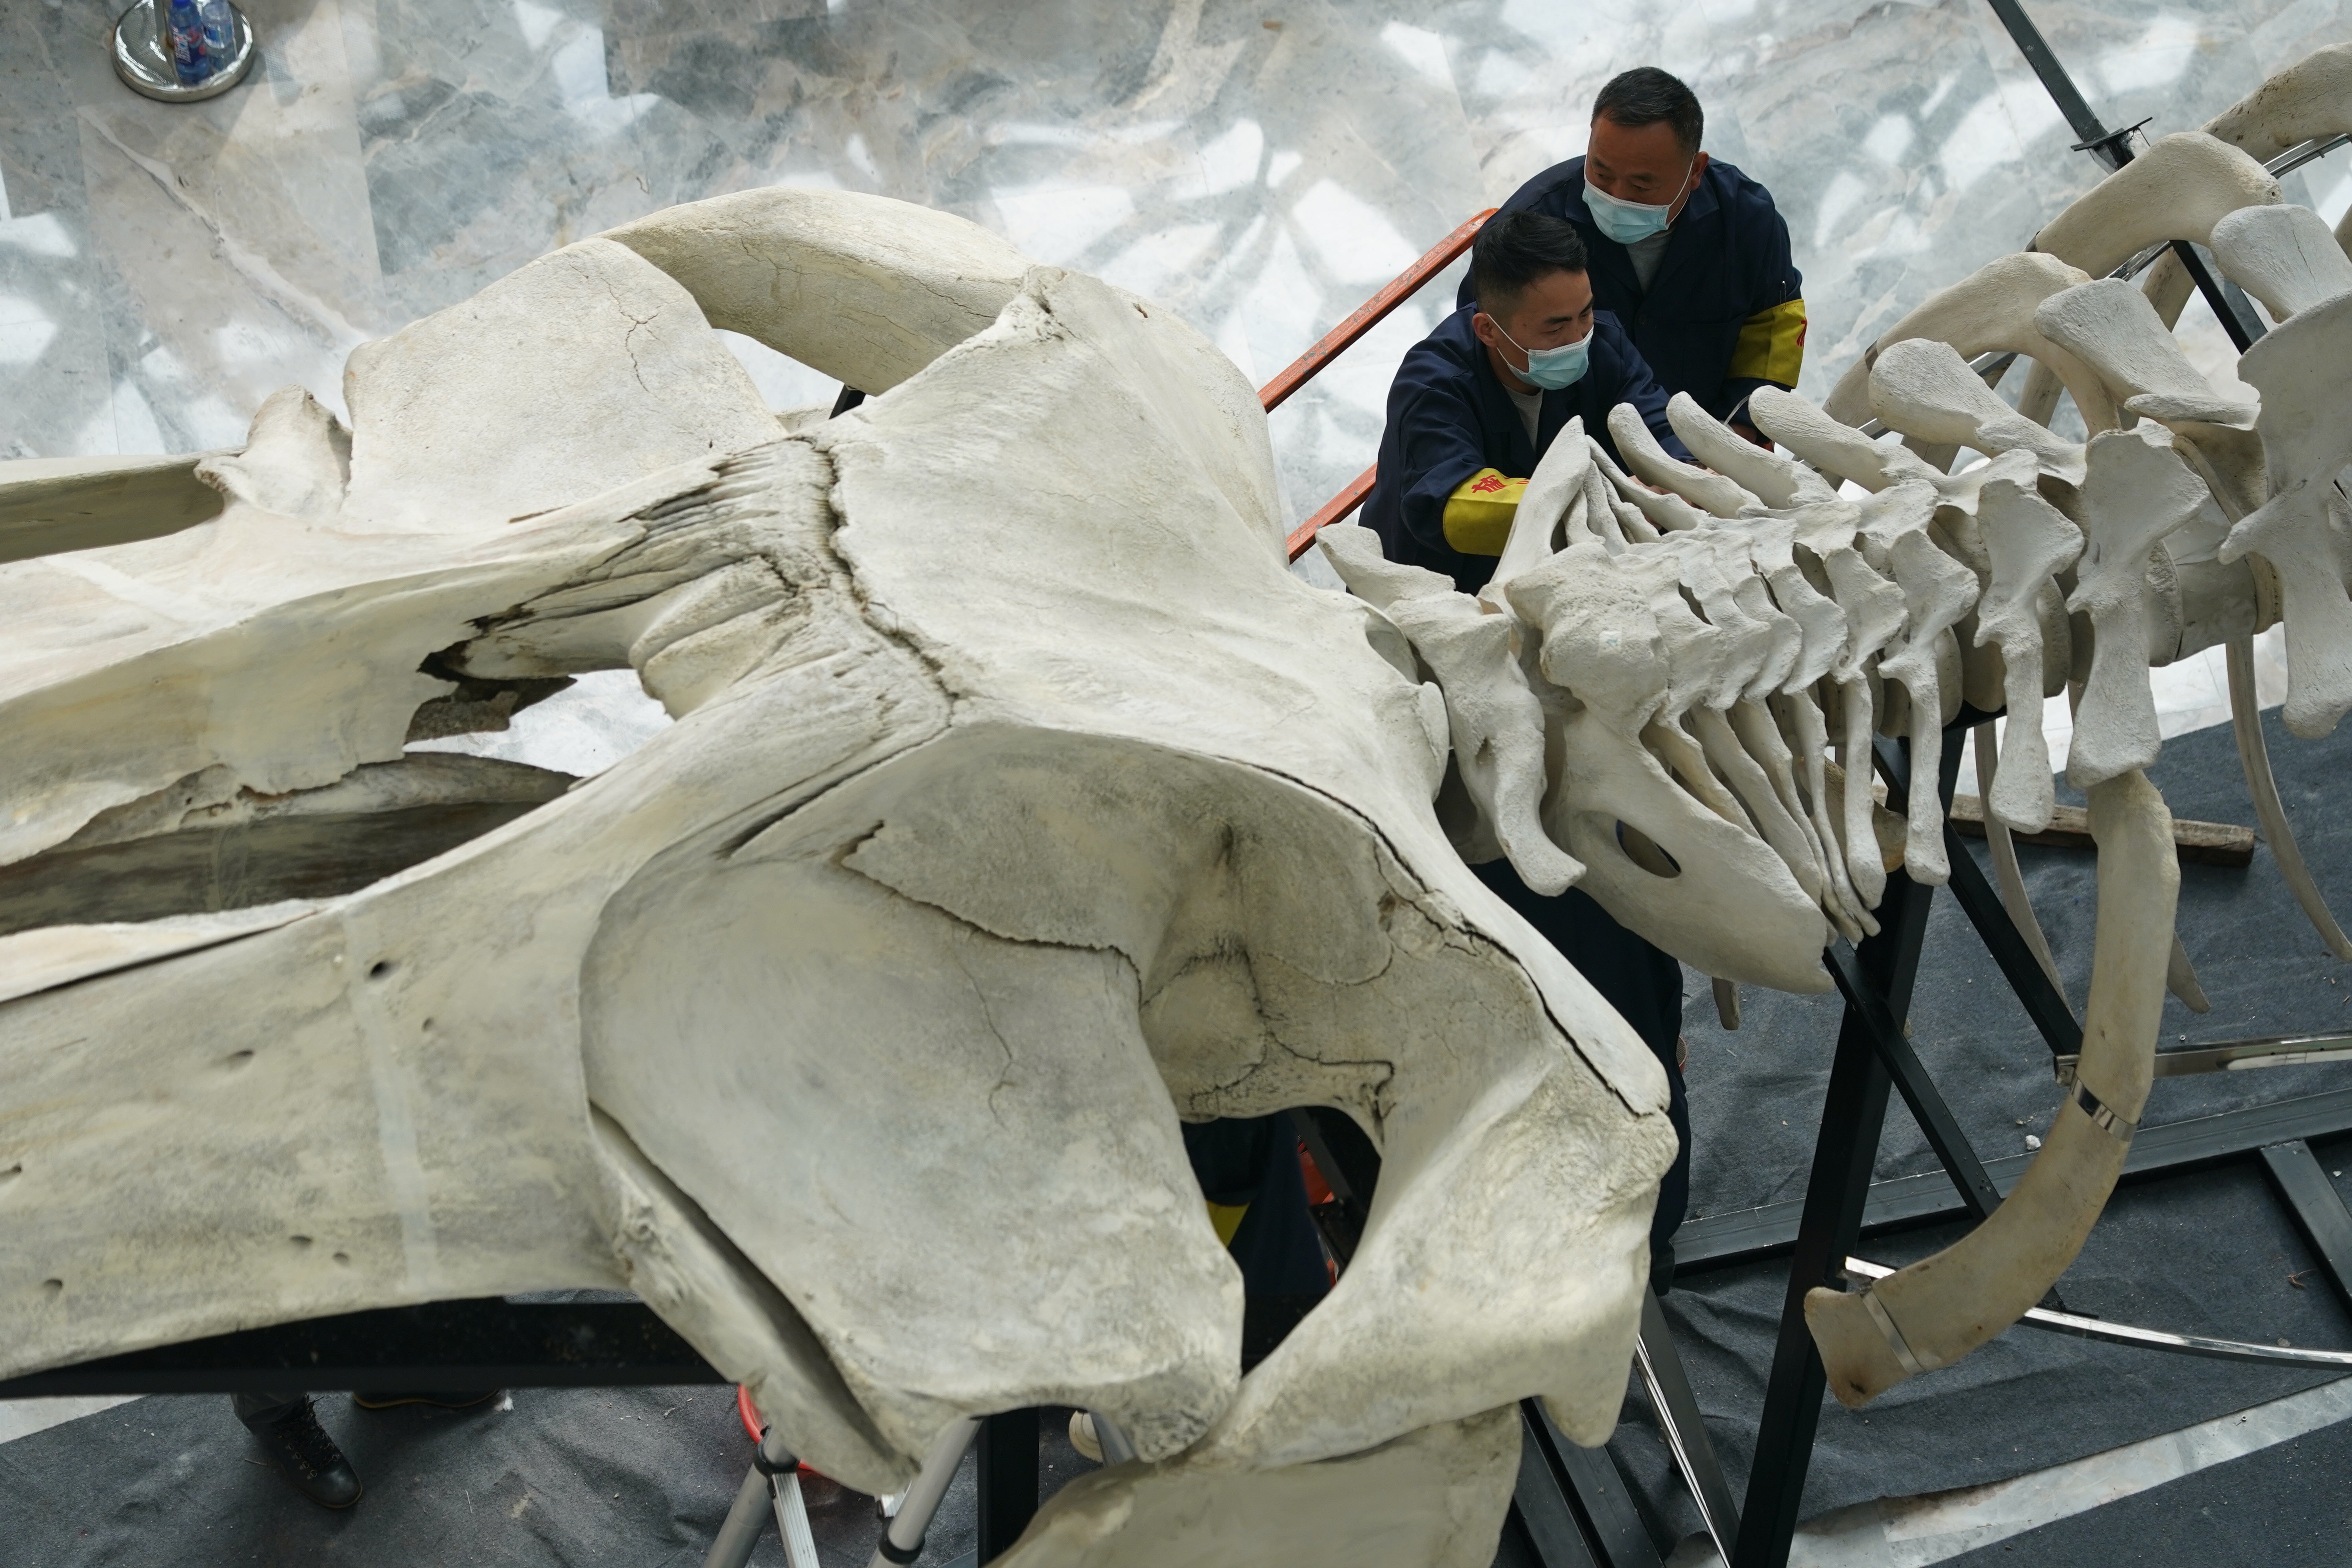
1874 1053
902 1537
2319 1210
1853 1111
773 1483
142 47
2113 150
1559 1481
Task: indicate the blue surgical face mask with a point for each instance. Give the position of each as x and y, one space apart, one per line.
1552 369
1627 222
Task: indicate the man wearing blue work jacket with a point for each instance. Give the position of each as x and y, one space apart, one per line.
1474 407
1478 400
1687 253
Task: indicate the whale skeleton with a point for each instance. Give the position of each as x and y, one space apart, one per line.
1020 804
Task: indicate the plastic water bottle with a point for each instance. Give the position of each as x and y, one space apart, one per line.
218 23
189 62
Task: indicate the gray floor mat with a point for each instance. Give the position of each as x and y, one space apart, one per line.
630 1476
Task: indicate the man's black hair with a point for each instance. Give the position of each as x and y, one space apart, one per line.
1646 95
1515 248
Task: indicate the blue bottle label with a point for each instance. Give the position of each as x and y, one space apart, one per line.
219 32
189 61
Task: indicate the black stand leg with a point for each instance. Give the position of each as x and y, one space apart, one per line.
2042 1001
1909 1075
2295 1170
1008 1480
1853 1112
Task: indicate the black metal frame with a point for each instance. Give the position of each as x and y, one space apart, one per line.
1007 1448
1841 1204
492 1343
1571 1502
1853 1111
1873 1053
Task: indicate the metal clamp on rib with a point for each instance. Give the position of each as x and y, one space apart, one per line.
2117 1127
1895 1340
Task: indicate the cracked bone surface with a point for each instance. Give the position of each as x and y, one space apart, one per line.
868 297
1992 309
977 858
1932 1312
1015 811
2287 257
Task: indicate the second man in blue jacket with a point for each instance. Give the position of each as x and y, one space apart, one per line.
1688 253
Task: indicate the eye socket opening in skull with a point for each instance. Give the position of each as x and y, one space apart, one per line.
1646 852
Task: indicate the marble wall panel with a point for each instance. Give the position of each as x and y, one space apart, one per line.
232 248
55 390
1258 165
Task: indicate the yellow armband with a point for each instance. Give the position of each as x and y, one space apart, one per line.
1479 513
1772 345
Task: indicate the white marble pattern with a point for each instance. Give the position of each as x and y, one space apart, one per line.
1260 168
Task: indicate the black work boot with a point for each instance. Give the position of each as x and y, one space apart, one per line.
374 1400
309 1458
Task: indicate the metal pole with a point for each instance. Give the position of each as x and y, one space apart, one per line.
2106 146
731 1547
1115 1449
2113 149
1008 1480
902 1538
1686 1431
1853 1112
142 48
791 1510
